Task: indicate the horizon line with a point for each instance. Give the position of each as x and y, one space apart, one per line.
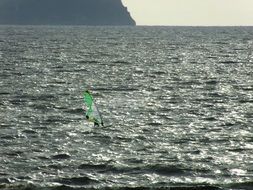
76 25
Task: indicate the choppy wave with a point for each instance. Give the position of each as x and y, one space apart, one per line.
176 102
73 184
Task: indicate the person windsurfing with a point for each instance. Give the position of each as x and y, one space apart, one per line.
92 113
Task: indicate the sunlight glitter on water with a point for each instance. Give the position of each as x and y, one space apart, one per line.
177 110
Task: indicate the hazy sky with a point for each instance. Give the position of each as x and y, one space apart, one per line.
191 12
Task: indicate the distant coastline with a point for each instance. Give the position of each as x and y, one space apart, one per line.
64 12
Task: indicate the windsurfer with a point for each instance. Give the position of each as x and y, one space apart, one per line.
96 124
92 113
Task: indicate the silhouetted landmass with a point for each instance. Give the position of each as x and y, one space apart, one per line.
64 12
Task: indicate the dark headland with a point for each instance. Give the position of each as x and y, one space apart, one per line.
64 12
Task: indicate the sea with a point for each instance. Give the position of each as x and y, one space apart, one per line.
177 105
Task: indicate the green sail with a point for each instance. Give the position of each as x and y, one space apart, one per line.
92 112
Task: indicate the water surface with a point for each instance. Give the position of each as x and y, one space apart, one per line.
177 104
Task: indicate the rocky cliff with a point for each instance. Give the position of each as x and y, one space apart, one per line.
64 12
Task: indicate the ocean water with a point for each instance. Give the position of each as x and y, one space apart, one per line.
177 104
